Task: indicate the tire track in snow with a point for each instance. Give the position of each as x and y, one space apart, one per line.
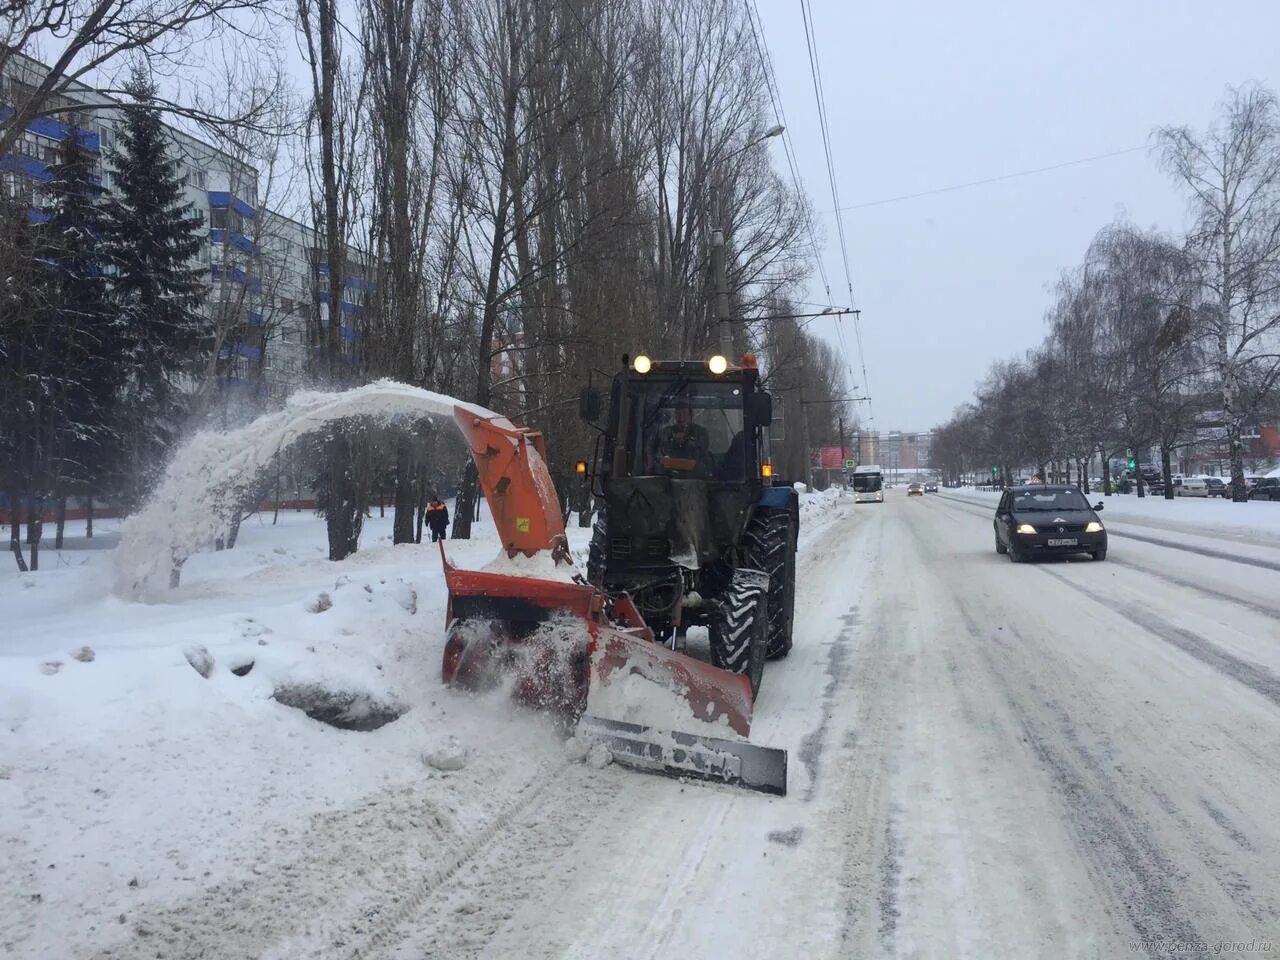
1255 677
814 743
450 861
862 840
342 891
1258 608
1108 831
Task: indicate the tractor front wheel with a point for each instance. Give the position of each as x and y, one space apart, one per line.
739 637
771 541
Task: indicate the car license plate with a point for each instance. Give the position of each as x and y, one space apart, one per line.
1065 542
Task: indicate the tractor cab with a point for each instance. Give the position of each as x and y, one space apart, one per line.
682 473
682 421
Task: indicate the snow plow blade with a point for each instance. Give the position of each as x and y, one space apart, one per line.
672 754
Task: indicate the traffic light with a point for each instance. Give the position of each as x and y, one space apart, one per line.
995 470
1132 463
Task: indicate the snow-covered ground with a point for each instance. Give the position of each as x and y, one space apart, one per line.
129 781
1057 760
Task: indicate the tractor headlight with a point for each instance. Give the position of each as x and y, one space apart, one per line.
641 364
1026 528
717 364
1093 527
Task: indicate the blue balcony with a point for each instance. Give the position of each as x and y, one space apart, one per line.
57 130
27 166
255 318
352 281
235 237
349 309
234 274
224 199
248 351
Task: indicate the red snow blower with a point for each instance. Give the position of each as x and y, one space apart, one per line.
560 643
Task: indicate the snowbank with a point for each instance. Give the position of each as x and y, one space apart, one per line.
129 780
215 471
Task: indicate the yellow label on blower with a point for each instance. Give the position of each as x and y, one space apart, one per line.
522 524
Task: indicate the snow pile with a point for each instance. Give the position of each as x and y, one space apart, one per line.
214 472
819 508
540 566
626 695
132 764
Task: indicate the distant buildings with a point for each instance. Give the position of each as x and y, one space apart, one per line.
895 451
268 296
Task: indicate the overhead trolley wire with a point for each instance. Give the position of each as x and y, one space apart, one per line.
788 146
815 72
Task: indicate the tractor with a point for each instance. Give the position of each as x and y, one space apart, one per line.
691 524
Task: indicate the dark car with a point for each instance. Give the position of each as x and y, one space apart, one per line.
931 486
1268 488
1217 487
1048 520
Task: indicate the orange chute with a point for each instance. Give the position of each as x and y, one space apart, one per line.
512 466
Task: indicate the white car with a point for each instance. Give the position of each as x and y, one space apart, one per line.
1190 487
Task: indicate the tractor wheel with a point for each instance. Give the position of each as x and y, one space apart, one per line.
771 543
598 552
739 637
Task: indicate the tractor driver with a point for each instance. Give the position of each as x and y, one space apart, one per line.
683 445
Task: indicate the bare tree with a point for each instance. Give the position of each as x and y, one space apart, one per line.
338 99
1232 172
91 36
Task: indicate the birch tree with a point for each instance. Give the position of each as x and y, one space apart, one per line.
1232 174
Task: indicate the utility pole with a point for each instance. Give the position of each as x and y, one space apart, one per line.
842 453
722 291
720 276
804 429
719 270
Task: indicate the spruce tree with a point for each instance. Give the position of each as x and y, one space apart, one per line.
84 324
157 290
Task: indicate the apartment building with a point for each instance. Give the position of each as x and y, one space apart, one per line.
268 291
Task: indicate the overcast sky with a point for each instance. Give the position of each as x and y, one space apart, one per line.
926 95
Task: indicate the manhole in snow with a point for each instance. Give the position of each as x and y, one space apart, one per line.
343 709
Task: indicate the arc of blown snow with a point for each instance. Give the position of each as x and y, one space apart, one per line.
210 474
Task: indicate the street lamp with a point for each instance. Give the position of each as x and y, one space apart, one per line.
718 252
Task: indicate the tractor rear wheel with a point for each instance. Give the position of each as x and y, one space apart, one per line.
739 637
771 543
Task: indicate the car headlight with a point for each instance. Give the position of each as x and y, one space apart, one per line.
1026 528
1093 527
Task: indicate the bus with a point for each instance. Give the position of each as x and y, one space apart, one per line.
868 484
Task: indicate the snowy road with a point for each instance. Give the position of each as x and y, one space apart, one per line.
1067 760
1059 760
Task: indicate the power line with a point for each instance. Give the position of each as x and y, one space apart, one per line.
983 182
788 146
815 72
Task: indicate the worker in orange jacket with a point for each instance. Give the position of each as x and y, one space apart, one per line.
437 519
